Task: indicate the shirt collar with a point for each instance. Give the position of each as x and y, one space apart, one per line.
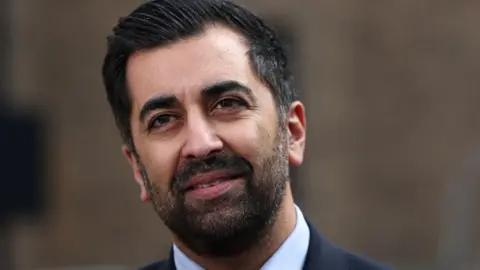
290 255
182 262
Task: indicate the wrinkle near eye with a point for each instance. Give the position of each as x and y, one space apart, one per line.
161 122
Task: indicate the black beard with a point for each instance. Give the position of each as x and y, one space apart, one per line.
207 230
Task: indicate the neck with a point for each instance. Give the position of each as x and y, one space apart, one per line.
255 257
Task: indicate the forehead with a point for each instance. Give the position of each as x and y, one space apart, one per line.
187 66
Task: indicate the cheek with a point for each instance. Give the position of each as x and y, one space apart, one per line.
248 139
160 162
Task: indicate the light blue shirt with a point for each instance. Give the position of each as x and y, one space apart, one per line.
290 256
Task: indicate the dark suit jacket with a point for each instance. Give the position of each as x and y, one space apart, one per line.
321 255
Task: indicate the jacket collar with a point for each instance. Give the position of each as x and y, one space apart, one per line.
322 254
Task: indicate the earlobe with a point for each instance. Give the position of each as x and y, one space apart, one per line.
297 133
137 173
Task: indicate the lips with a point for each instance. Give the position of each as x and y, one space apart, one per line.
206 185
210 179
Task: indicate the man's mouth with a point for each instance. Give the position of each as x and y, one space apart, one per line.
209 180
211 185
206 185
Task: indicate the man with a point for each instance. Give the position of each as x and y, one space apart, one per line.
203 98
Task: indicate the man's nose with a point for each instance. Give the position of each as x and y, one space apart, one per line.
202 139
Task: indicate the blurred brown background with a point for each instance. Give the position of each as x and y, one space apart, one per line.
393 150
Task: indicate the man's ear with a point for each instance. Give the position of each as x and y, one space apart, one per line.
296 124
137 173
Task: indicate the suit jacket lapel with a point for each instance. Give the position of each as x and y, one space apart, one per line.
170 265
321 254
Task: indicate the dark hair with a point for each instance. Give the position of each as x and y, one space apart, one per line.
161 22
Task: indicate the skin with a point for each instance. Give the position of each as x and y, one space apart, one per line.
197 126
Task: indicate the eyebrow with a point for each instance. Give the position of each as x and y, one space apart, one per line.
155 103
217 89
210 92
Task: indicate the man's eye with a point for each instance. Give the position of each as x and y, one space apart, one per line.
161 120
230 103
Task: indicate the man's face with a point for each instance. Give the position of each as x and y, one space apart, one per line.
210 153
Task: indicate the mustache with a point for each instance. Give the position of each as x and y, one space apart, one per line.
231 163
